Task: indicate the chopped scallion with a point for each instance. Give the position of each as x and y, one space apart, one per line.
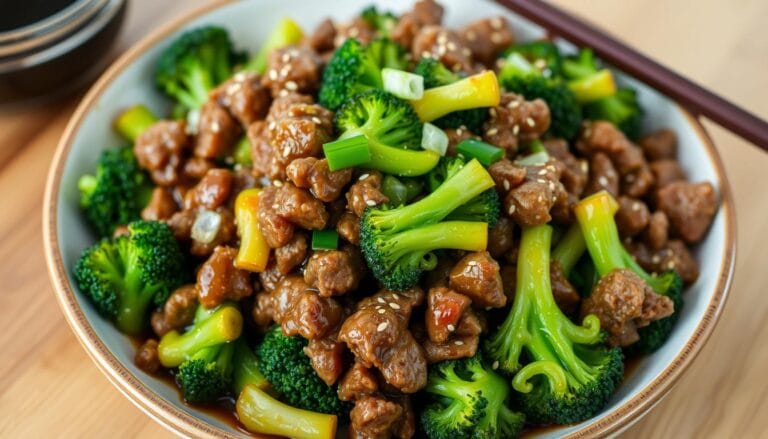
485 153
346 153
537 158
402 84
325 240
434 139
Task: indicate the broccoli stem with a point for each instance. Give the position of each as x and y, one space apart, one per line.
286 33
476 91
223 326
550 369
260 413
595 216
397 161
134 121
247 368
457 235
570 249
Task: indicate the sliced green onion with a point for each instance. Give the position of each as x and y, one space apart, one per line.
402 84
346 153
325 240
485 153
536 146
517 63
537 158
395 190
242 154
434 139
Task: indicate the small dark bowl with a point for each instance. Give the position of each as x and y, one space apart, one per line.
54 49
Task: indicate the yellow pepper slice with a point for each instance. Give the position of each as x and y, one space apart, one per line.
594 87
254 251
476 91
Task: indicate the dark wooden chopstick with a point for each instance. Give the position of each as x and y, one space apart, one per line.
695 98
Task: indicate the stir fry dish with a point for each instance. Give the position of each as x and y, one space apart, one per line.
391 227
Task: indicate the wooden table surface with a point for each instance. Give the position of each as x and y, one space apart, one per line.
48 385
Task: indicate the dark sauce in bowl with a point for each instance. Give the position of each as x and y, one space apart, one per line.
17 14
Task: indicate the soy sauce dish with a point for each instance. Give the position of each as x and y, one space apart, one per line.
462 203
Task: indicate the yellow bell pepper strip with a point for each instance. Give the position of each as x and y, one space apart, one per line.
594 87
476 91
254 251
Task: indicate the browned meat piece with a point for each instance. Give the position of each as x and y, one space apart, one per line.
261 150
365 193
487 37
377 333
690 208
196 167
667 171
181 224
500 238
602 136
282 103
674 256
226 233
312 173
424 13
321 39
244 96
335 272
217 131
300 311
161 205
660 145
445 308
477 275
506 175
406 425
359 381
299 207
292 254
529 204
178 311
562 204
632 216
325 354
270 277
161 150
262 309
147 358
565 294
459 347
516 119
638 183
456 135
445 45
292 68
242 178
218 279
373 417
618 300
211 191
277 230
574 172
300 133
657 233
602 176
348 227
358 29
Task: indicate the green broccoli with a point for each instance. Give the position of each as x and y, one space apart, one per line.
435 74
288 369
470 401
211 328
355 68
246 368
485 207
518 75
543 55
126 275
207 374
572 374
194 64
595 215
382 21
398 243
392 129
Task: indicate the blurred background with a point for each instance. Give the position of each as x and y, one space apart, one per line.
48 385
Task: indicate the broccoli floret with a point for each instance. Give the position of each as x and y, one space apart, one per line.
211 328
288 369
117 192
485 207
195 63
622 109
572 374
355 68
520 76
261 413
246 368
382 21
435 74
124 276
398 242
207 374
595 215
543 55
470 401
393 130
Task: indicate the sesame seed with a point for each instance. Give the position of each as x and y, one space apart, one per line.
542 172
283 93
506 185
602 181
472 263
466 52
316 120
393 305
381 311
277 183
353 32
552 186
656 259
363 177
286 151
497 23
451 46
515 130
285 58
291 85
442 38
541 180
272 74
272 125
492 112
395 296
450 328
240 76
530 122
459 131
458 343
492 132
513 104
441 50
584 166
511 209
540 64
381 300
215 127
382 326
370 203
496 38
234 87
636 206
670 265
495 365
426 54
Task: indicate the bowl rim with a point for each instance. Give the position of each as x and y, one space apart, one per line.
178 421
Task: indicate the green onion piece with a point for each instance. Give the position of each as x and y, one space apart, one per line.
346 153
485 153
537 158
537 146
434 139
402 84
286 32
242 154
325 240
395 190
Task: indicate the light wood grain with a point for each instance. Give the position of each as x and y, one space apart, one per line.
49 387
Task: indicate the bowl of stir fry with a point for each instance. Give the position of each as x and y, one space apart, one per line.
404 220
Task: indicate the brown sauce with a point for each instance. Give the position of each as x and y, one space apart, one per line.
23 13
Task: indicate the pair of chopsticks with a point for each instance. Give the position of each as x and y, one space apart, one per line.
692 96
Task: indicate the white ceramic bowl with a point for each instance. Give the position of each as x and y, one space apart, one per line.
129 81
